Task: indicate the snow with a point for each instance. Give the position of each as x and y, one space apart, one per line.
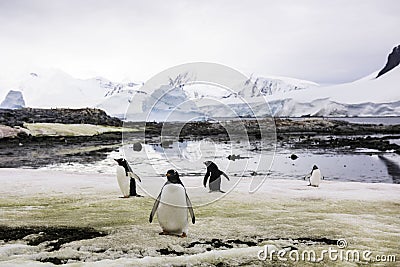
280 96
269 96
63 182
52 88
368 89
89 190
197 259
270 85
365 97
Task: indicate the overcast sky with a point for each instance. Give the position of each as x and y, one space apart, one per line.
326 41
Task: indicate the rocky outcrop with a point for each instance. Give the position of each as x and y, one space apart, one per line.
13 100
392 62
17 117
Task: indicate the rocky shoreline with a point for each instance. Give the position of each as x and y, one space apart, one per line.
19 147
17 117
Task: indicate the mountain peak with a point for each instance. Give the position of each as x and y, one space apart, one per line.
392 62
13 100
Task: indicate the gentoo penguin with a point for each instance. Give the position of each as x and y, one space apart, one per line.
126 178
315 176
172 206
215 177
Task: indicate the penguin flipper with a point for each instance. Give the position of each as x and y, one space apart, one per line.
226 176
134 175
155 206
190 208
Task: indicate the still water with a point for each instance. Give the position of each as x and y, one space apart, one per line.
248 160
360 120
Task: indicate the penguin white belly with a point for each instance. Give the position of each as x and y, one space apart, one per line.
315 178
172 213
123 181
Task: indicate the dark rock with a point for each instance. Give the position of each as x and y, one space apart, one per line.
57 235
392 62
54 260
234 157
18 117
294 157
45 150
137 147
166 251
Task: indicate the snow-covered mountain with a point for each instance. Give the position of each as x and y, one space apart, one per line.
368 96
50 88
270 85
56 89
374 95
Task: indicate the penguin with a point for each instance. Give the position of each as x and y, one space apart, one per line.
315 176
126 178
172 206
215 177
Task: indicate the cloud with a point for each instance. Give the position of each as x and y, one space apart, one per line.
323 41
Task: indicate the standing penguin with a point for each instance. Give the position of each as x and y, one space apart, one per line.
172 206
315 176
215 177
126 178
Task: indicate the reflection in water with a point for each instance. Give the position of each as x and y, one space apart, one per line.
250 160
393 169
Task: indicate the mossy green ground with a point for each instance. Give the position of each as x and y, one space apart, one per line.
373 226
60 129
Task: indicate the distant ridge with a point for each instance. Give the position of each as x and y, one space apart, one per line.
392 62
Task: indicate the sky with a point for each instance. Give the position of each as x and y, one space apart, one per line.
325 41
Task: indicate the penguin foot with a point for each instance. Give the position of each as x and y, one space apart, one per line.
125 197
137 195
183 235
221 191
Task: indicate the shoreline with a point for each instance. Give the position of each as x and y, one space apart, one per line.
60 182
53 142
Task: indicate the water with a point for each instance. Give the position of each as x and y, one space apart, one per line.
362 120
254 162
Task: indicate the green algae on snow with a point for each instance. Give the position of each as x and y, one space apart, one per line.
365 225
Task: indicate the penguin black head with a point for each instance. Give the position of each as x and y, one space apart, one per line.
315 167
207 163
122 162
173 177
